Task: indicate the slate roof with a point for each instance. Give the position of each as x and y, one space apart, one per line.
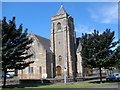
45 42
61 11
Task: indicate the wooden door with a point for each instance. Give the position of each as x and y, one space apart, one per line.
58 70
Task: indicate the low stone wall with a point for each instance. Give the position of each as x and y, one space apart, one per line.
43 81
52 80
92 78
46 81
33 81
10 82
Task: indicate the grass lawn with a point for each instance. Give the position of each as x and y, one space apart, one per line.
75 85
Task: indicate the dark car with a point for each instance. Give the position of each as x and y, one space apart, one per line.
113 77
7 75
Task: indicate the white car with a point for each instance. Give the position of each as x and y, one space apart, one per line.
7 75
113 77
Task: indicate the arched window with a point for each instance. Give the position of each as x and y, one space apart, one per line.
40 69
30 70
60 59
58 26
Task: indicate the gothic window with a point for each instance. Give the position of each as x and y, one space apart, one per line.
40 69
58 26
30 69
60 59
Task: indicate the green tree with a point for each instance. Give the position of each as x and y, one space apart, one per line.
15 43
118 56
97 50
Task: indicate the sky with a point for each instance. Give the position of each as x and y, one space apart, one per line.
36 16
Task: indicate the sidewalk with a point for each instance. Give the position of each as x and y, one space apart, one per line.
95 80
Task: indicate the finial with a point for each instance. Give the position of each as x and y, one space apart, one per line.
61 4
30 32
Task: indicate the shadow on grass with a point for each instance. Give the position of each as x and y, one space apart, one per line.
26 85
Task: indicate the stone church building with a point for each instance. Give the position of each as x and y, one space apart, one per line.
52 58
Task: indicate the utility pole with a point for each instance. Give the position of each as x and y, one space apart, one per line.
65 70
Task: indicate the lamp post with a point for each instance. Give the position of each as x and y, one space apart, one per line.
65 70
65 75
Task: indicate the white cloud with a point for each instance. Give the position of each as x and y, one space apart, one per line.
106 21
80 28
93 14
105 14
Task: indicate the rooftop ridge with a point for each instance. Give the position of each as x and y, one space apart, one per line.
42 37
44 41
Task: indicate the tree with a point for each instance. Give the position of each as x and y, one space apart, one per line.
97 50
117 52
15 44
116 57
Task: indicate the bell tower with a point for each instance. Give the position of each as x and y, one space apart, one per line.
63 43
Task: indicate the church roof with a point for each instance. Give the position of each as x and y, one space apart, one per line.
45 42
61 11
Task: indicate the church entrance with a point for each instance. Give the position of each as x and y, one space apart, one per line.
58 70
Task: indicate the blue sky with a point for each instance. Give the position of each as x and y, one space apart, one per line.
36 16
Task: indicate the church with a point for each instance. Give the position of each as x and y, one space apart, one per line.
57 56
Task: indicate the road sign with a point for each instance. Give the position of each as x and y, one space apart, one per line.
65 68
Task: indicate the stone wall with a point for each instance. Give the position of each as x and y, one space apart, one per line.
63 43
39 59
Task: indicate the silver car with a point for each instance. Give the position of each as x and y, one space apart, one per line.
113 77
7 75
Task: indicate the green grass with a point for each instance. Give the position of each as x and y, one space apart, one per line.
75 85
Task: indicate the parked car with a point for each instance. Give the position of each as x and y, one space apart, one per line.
7 75
113 77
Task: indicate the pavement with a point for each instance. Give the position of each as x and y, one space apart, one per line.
88 81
